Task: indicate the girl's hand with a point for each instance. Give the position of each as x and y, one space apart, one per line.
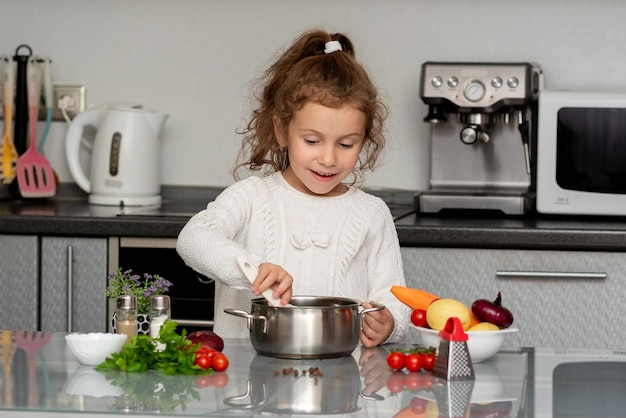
376 326
374 369
272 276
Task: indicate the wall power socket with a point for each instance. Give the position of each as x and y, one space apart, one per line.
70 96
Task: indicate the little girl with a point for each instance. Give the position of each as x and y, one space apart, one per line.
317 127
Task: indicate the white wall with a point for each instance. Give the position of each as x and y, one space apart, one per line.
194 59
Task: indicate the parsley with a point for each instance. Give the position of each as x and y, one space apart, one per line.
139 354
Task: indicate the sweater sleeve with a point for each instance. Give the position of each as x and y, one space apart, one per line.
208 242
385 269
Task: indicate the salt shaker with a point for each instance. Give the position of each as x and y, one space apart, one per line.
126 316
159 311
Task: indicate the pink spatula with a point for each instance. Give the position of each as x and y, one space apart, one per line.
35 177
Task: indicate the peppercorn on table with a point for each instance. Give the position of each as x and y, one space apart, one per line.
47 380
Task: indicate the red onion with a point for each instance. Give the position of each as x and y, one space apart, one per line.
493 312
207 339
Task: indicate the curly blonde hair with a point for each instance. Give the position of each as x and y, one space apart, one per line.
305 73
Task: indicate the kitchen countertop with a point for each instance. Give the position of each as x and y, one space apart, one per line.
526 382
71 215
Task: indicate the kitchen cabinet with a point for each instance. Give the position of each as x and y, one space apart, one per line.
192 295
73 281
19 279
562 299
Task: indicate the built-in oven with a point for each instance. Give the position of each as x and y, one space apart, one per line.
192 295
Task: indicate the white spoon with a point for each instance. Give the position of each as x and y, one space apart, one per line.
251 272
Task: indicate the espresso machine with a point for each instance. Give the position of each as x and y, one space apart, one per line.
483 127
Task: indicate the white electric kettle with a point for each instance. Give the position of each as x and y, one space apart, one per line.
124 156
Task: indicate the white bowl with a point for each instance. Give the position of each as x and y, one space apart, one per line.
86 381
481 345
91 349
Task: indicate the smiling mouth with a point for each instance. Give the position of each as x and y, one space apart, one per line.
322 174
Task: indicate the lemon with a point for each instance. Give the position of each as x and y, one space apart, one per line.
484 326
441 310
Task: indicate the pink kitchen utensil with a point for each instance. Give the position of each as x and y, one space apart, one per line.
31 342
35 176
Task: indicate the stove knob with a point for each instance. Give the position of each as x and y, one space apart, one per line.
496 82
469 135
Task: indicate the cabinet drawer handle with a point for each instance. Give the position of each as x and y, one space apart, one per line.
194 322
549 274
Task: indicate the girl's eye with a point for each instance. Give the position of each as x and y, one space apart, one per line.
346 146
310 141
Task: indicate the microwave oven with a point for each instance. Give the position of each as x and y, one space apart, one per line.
581 153
574 382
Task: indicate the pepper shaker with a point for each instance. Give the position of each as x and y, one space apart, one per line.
126 315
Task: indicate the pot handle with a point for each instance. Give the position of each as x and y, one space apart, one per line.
237 401
375 307
372 397
248 316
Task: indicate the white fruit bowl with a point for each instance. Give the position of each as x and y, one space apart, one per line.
91 349
481 345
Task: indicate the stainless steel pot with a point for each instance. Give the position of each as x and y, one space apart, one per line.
316 327
335 388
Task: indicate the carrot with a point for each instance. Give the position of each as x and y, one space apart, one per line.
414 298
407 413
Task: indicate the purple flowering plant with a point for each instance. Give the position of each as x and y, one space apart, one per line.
124 282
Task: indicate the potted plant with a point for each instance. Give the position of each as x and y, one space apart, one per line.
125 282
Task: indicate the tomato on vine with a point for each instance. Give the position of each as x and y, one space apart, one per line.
396 360
413 362
428 361
395 382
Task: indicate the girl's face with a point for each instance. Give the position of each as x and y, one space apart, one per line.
324 144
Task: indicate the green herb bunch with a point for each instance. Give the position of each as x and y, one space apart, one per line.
124 282
163 393
139 354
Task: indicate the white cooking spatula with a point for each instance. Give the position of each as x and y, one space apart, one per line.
250 271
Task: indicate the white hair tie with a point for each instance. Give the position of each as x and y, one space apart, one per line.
332 46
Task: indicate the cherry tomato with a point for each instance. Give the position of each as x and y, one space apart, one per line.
220 362
428 362
396 360
204 381
221 379
418 405
413 362
413 381
204 350
203 360
209 352
395 382
418 318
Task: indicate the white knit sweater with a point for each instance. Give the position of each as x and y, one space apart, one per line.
343 246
